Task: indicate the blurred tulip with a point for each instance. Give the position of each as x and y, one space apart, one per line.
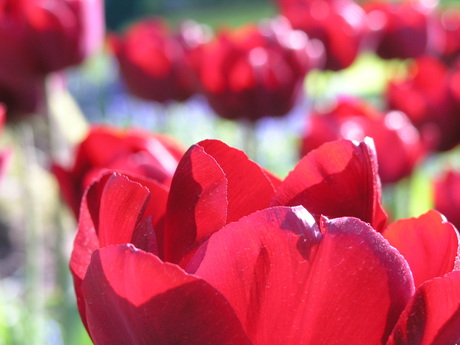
446 33
426 96
43 36
5 155
339 24
156 64
105 148
255 72
171 267
447 195
402 27
397 142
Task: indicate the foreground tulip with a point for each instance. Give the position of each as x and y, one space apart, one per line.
106 148
154 64
255 72
398 143
154 267
339 24
215 185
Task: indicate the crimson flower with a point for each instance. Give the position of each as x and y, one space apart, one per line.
430 98
256 71
43 36
339 24
105 148
159 266
446 192
5 155
446 44
397 142
154 63
402 27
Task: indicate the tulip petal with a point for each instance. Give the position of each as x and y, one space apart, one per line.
291 282
113 202
197 204
155 210
337 179
132 297
249 188
433 315
429 243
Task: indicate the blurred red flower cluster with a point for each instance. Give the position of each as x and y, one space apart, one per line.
250 73
306 260
430 96
43 36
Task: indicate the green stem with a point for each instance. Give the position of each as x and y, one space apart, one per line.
249 139
34 246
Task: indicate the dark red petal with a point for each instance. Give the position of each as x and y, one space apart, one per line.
197 204
249 188
337 179
433 315
144 237
429 243
110 210
122 206
290 282
132 297
155 209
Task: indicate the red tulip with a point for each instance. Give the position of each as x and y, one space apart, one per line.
339 24
43 36
256 71
215 185
105 148
427 96
63 33
397 142
154 63
5 155
55 33
447 195
446 44
403 27
172 269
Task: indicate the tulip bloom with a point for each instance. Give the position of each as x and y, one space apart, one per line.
256 71
5 155
428 97
446 44
398 143
339 24
154 64
446 190
43 36
171 267
105 148
402 28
